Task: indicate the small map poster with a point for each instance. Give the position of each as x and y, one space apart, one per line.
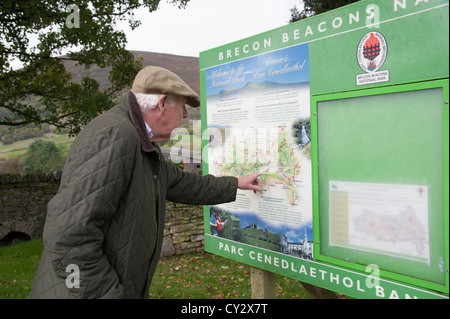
258 115
385 218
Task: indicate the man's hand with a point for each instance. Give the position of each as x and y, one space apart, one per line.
251 182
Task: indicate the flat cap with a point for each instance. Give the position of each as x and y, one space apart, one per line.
157 80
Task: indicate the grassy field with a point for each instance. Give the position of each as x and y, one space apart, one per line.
18 265
63 141
191 276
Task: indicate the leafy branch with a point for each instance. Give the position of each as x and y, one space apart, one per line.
41 36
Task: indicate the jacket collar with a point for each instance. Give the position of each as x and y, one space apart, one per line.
138 122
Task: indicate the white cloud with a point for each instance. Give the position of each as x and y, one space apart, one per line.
294 236
205 24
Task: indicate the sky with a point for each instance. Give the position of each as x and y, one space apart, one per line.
202 25
205 24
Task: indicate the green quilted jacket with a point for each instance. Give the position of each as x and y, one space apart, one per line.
107 219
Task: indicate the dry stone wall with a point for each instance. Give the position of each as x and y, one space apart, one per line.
23 205
23 202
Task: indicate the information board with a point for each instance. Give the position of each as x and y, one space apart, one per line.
344 115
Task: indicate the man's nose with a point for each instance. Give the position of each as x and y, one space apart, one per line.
185 112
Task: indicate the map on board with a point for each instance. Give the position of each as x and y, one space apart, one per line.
281 164
404 227
391 219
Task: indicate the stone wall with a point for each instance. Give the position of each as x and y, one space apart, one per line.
183 232
23 203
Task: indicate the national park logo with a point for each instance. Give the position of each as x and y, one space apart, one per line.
372 52
371 55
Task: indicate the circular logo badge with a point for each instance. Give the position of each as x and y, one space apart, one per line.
372 51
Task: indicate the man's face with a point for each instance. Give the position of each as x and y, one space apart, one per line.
167 116
176 112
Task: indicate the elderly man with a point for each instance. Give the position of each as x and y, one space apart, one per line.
104 227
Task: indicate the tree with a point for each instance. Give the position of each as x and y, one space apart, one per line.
86 30
313 7
42 157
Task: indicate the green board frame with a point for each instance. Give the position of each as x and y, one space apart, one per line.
367 167
416 58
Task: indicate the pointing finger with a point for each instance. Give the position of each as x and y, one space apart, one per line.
263 171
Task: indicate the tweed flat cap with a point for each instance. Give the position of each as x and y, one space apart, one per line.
157 80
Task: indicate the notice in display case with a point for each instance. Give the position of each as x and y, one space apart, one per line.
384 218
381 198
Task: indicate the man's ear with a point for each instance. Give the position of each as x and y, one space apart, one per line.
161 103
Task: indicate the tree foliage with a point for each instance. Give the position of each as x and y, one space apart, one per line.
64 30
42 157
313 7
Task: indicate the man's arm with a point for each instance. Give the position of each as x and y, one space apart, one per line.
195 189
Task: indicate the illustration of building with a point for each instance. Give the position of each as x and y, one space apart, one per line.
307 247
302 249
252 225
284 244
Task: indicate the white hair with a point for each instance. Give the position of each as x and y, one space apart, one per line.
149 101
146 101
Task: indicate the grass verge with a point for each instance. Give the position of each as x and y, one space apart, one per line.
190 276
